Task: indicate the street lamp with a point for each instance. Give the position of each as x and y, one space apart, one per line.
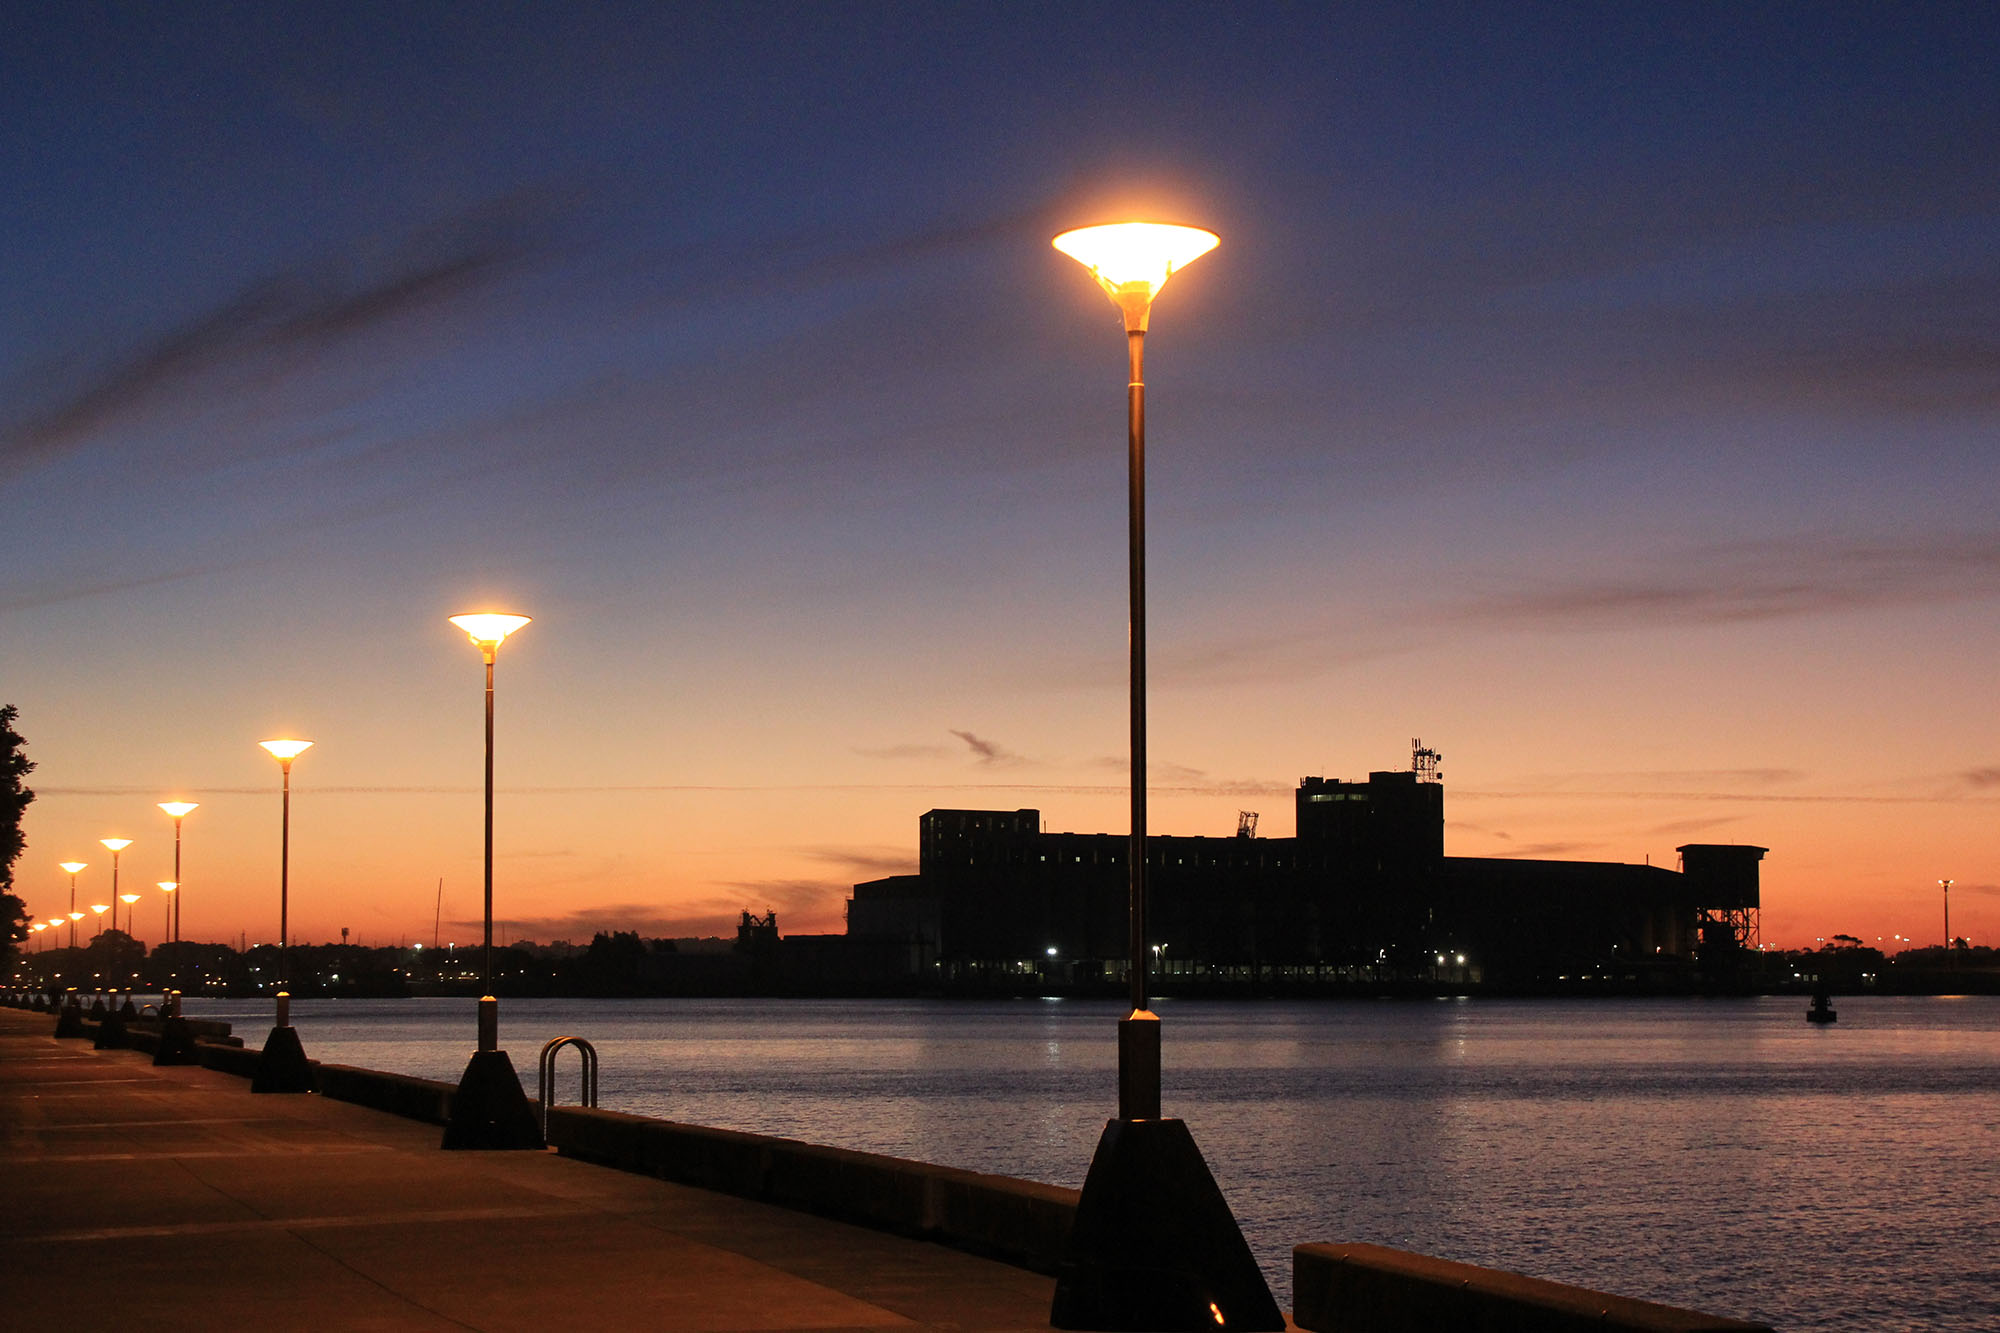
131 924
177 811
283 1067
1945 884
73 867
100 909
490 1111
40 927
116 845
167 886
284 751
1154 1245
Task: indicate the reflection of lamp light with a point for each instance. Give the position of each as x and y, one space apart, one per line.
490 1110
1147 1168
74 915
177 811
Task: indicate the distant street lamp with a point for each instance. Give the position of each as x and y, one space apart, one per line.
100 909
284 751
1149 1207
490 1111
177 811
116 845
283 1067
73 867
40 928
1945 884
131 925
167 886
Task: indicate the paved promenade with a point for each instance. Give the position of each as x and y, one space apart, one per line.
141 1198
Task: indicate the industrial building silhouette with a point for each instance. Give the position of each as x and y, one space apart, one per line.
1362 894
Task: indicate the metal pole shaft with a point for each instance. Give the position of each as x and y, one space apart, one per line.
72 909
175 929
114 901
284 874
486 962
1135 398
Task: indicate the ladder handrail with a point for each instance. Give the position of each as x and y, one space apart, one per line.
587 1055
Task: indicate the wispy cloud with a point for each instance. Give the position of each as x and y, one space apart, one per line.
270 320
1753 581
903 752
988 751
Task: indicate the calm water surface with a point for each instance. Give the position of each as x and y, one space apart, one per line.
1721 1154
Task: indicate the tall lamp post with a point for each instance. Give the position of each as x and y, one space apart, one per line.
131 901
177 811
74 916
167 886
116 845
1945 884
283 1067
490 1110
1154 1245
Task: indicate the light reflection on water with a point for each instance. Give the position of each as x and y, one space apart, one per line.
1720 1154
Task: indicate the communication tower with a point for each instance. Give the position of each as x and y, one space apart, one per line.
1424 761
1246 823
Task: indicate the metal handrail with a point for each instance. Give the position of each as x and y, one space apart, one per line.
588 1057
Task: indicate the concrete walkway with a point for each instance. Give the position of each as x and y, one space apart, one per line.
141 1198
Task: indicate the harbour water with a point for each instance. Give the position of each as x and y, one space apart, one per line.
1721 1154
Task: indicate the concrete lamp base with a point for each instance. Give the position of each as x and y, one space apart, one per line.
490 1110
284 1067
111 1032
69 1022
176 1043
1155 1246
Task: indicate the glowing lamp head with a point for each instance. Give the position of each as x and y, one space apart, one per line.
1133 260
284 751
74 866
76 916
169 885
179 810
128 898
487 629
39 927
100 908
116 845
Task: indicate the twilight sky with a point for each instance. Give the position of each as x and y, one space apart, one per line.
1606 394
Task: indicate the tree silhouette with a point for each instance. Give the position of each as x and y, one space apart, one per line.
14 800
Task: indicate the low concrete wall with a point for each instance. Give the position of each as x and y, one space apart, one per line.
1373 1289
1020 1222
399 1094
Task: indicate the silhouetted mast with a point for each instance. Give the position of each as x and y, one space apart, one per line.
1424 761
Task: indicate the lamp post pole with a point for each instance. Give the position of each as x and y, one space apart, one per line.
284 751
177 811
1131 262
116 845
1149 1209
1945 884
74 915
490 1110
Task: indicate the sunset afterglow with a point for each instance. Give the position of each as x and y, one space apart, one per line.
1607 396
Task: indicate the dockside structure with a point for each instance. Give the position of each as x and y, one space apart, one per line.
1361 894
